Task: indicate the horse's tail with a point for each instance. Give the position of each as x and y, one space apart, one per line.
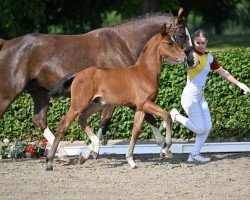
1 42
61 88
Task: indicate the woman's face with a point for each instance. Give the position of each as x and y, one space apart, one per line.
200 44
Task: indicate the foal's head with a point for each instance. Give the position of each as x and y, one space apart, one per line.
168 49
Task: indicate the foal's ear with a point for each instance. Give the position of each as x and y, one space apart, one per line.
165 30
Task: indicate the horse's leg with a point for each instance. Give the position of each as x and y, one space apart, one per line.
138 119
62 128
5 102
94 146
106 115
7 92
41 102
152 108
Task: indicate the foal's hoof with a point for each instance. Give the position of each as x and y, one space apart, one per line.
82 159
166 154
49 168
131 162
49 165
169 154
94 154
64 158
134 167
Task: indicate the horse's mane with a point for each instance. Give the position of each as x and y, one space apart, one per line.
143 18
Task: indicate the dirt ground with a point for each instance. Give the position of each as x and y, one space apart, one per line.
227 176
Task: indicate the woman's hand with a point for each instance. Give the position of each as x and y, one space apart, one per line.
243 87
225 74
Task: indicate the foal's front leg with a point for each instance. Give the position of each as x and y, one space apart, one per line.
152 108
152 123
150 119
138 119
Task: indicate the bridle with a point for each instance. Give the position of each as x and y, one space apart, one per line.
179 39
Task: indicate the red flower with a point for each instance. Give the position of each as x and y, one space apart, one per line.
30 148
43 143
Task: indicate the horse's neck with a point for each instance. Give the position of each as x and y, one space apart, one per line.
137 33
149 62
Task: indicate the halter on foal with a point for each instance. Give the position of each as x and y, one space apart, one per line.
114 86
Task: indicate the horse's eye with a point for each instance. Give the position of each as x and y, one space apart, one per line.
182 36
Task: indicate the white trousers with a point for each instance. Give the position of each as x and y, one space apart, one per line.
199 119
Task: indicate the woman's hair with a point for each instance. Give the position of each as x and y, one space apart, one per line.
200 33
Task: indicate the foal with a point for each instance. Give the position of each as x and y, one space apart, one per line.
135 86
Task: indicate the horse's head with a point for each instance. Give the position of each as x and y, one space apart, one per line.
182 37
169 50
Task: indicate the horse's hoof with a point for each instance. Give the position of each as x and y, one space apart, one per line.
82 159
95 155
49 165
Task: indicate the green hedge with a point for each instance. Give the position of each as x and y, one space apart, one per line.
229 107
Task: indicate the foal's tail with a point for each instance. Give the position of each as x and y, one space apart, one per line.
1 42
61 88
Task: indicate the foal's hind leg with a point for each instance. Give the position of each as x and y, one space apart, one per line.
152 108
95 145
138 119
106 115
62 128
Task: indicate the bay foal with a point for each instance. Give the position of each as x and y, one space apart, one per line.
135 86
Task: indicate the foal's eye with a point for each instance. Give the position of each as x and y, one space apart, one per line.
170 44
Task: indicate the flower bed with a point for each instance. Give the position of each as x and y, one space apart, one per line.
22 149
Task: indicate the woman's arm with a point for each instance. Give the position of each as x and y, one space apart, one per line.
225 74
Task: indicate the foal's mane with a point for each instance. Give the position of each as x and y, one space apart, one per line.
157 36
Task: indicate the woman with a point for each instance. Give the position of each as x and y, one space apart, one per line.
192 99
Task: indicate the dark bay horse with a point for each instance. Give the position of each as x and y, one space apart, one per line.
137 87
36 62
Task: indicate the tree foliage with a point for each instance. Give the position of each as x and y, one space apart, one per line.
215 13
74 17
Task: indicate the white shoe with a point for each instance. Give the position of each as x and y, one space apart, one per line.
198 158
173 114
